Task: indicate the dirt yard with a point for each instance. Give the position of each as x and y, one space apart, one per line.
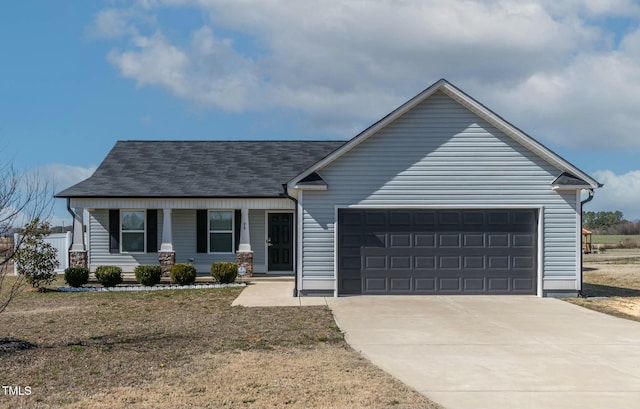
612 283
183 349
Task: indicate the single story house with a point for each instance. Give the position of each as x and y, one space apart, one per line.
441 196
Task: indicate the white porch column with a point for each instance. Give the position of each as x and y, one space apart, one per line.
166 255
245 244
167 233
78 256
244 253
78 231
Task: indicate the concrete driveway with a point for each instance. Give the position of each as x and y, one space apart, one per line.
498 352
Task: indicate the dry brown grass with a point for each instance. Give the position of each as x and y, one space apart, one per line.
614 280
185 349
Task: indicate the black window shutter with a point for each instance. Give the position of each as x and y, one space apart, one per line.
152 230
237 225
114 231
201 230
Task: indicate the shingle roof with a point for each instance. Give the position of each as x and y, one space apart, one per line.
200 168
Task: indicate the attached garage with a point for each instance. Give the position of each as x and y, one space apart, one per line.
396 251
441 196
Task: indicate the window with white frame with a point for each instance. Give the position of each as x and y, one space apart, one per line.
221 231
132 231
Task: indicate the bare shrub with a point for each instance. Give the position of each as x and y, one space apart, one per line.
628 244
23 198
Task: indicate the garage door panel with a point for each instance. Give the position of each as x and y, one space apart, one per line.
425 262
424 240
524 218
450 285
353 262
474 262
400 262
449 263
474 284
400 218
350 219
375 285
473 240
424 218
425 285
499 218
523 240
449 217
522 263
498 284
498 240
431 251
375 263
375 240
401 284
351 285
522 284
400 240
375 218
498 262
351 241
449 240
471 218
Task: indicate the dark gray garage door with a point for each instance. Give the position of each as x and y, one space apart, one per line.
437 251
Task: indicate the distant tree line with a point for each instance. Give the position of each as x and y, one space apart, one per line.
609 223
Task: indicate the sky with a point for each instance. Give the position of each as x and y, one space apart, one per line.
77 75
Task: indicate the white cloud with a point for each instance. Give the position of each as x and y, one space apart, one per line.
60 176
209 71
620 192
593 101
34 196
594 8
115 23
111 23
553 68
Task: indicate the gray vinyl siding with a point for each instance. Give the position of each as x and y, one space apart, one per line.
257 239
99 244
440 154
185 240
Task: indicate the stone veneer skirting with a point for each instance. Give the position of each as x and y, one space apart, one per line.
78 259
167 259
245 259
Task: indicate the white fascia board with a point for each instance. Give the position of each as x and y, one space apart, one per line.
570 187
310 187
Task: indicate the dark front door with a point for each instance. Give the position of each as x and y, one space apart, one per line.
280 241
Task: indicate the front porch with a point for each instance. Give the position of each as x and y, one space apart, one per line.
258 234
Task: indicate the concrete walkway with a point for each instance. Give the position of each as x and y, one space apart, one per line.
273 292
474 352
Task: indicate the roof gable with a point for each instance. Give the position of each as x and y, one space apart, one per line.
472 105
200 168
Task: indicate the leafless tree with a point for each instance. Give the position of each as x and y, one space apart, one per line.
23 197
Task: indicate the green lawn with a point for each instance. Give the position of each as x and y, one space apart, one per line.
614 239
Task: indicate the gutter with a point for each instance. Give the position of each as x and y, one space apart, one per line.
581 293
74 217
295 229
